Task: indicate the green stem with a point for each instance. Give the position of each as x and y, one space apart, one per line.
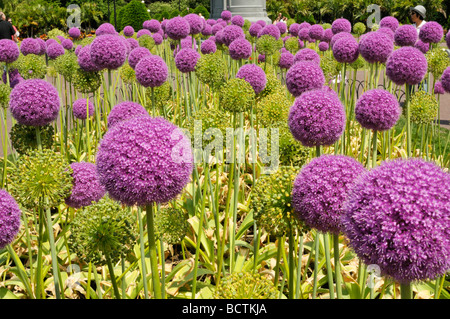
326 238
277 265
52 250
113 277
142 251
374 148
316 265
152 250
337 266
406 291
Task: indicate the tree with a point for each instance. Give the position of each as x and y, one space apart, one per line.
134 14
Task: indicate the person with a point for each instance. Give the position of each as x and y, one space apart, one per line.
417 15
284 20
6 29
277 19
15 29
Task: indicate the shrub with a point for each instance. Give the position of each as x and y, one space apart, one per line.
134 14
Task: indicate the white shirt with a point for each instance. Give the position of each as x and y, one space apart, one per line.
419 26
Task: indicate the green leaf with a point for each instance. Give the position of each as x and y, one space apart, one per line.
6 294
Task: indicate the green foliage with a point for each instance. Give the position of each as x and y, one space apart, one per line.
237 95
292 45
171 224
211 70
127 74
438 61
53 33
103 228
23 137
162 94
86 82
134 14
273 108
67 65
201 9
423 107
30 66
5 91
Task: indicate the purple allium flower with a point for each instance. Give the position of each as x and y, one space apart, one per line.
261 57
328 35
304 25
216 28
282 27
34 102
317 117
397 217
178 28
231 33
375 47
86 187
240 49
158 38
445 80
187 43
304 76
9 51
141 32
389 22
346 50
30 46
128 31
105 28
294 28
388 32
307 54
84 59
377 110
144 160
431 32
286 60
320 190
339 36
55 50
438 88
125 111
207 30
208 47
133 43
422 46
42 46
323 46
108 52
211 22
303 34
254 29
136 55
238 20
222 22
14 77
186 60
152 25
60 38
218 38
9 218
261 22
195 22
405 35
79 108
254 75
341 25
67 44
316 32
151 71
74 33
50 42
406 65
447 39
225 15
270 29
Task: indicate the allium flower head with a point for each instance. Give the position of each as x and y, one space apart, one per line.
254 75
377 110
171 224
136 55
238 20
339 36
186 60
328 35
128 31
237 95
242 285
307 54
282 27
316 32
294 28
55 50
29 46
375 47
304 76
84 60
270 29
405 35
86 188
387 31
240 49
34 102
317 118
144 160
177 28
303 34
158 38
81 107
108 51
151 71
397 217
320 190
216 28
389 22
225 15
39 174
105 28
431 32
438 88
42 46
152 25
9 218
208 47
67 44
345 50
195 23
207 30
323 46
286 60
125 111
231 33
141 32
211 69
103 228
424 107
74 33
341 25
406 65
422 46
133 43
447 39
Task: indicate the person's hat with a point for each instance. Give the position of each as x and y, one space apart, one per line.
419 10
